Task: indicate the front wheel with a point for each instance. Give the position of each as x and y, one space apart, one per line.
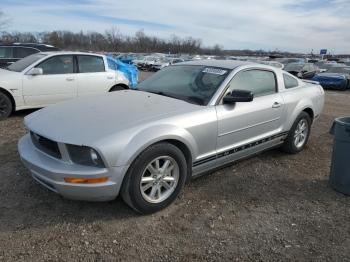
5 106
155 178
298 135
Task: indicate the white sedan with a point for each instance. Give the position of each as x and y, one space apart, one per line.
50 77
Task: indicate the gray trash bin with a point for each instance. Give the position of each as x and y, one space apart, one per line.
340 168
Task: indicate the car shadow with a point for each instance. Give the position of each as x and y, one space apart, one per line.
257 181
23 113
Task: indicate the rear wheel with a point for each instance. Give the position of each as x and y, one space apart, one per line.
155 178
298 135
5 106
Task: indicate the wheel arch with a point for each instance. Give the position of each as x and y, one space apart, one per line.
7 93
310 112
305 105
178 137
186 151
124 86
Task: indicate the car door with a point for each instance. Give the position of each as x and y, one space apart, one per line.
93 76
57 83
243 124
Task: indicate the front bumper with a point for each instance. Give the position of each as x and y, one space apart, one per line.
50 172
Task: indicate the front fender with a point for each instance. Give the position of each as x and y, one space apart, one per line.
152 135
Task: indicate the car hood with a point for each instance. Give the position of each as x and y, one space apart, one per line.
6 73
86 120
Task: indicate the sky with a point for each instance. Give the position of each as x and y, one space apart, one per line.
285 25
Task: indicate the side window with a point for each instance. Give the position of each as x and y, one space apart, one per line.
6 52
112 65
21 52
260 82
289 81
62 64
90 64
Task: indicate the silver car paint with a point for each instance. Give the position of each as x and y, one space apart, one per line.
122 124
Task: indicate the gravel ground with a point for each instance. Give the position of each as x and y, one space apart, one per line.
273 207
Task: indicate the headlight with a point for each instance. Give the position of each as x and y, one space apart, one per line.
84 155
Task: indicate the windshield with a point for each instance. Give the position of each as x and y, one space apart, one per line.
22 64
341 70
194 84
294 67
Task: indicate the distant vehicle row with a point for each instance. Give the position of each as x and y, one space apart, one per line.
50 77
10 53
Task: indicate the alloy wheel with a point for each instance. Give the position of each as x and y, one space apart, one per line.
159 179
301 133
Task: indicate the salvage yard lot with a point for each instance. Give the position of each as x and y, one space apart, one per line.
270 207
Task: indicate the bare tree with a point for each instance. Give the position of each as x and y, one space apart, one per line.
111 41
114 38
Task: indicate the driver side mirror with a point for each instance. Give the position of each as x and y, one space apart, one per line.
35 71
238 96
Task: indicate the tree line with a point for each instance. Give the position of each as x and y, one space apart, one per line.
111 41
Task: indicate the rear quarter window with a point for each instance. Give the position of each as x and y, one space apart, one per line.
289 81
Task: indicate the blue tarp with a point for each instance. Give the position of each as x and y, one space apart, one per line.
130 71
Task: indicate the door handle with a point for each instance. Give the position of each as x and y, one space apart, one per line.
110 77
276 105
70 78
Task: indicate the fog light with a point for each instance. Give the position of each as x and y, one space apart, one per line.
73 180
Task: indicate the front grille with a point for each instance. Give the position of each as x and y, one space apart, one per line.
46 145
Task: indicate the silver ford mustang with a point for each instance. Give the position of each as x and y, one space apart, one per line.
185 120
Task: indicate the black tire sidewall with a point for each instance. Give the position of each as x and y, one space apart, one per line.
117 88
135 173
9 103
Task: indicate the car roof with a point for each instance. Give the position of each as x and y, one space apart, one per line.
69 53
42 47
228 64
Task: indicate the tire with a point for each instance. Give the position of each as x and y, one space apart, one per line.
139 176
5 106
291 144
117 88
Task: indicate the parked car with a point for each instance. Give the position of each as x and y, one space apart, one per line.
337 77
271 63
162 63
302 70
184 120
324 66
50 77
287 61
10 53
146 62
125 58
